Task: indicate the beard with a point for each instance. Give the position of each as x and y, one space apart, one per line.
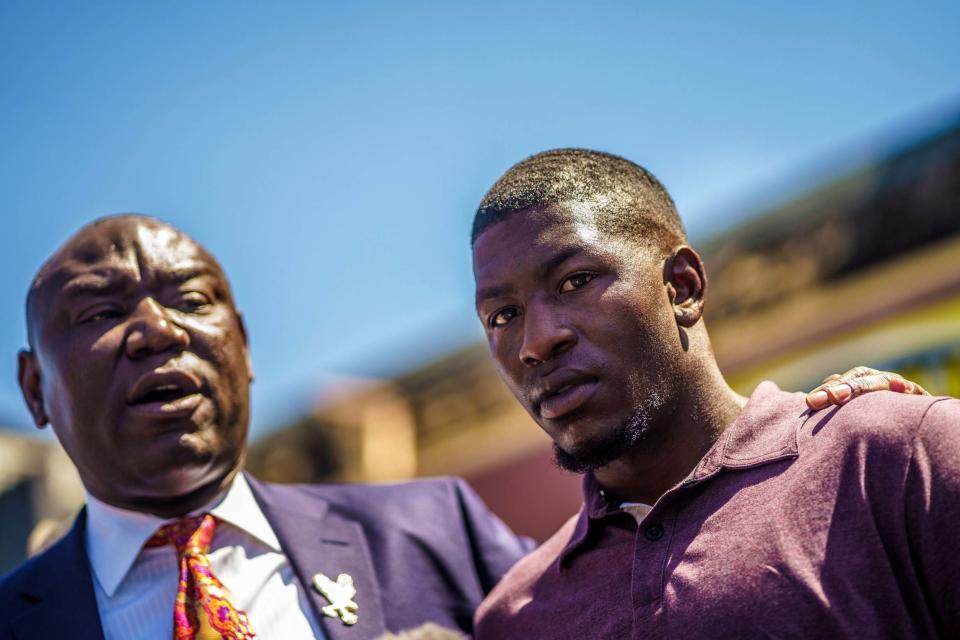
604 449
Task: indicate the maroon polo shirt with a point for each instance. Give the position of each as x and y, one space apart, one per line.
837 524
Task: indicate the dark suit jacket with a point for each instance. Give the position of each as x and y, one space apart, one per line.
427 550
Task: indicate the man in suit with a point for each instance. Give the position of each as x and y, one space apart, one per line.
138 359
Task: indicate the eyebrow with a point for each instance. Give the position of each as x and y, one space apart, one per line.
88 284
497 291
557 260
179 275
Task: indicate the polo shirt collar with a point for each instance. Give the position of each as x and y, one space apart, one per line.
595 508
116 536
765 431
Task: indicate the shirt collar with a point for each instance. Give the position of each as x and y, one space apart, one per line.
116 536
240 509
595 507
764 432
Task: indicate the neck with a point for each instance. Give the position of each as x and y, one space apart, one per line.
675 445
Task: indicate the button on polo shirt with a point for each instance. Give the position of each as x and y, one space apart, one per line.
653 532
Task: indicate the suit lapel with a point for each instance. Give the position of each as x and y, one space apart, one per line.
61 586
319 541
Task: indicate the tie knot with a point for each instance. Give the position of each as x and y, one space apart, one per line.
190 536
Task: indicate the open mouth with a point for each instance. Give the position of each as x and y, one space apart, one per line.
165 394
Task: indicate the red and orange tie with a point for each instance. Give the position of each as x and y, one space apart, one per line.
202 610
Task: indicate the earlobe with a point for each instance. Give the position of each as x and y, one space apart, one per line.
28 374
686 284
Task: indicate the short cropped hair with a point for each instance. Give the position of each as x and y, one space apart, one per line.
628 200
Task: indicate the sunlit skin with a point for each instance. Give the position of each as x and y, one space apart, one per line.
617 328
839 389
139 361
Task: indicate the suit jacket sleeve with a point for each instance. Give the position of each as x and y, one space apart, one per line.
494 546
933 510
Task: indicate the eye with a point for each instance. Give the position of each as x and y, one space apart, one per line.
576 281
502 317
100 314
193 301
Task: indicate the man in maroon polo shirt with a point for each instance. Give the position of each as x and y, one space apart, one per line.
706 514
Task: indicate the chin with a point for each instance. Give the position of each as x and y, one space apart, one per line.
178 480
181 471
181 487
591 452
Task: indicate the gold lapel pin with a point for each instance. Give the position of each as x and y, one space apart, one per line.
340 594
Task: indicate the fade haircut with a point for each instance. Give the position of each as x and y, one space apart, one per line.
628 200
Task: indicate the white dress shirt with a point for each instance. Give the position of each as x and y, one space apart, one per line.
136 587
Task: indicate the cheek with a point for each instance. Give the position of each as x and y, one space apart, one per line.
79 380
56 393
220 348
110 341
218 340
505 351
641 310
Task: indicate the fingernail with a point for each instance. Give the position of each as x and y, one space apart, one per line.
818 399
841 392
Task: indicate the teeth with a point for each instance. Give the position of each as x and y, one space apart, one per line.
562 389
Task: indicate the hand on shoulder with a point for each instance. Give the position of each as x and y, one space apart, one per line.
839 388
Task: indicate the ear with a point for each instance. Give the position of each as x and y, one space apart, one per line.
246 344
687 285
28 373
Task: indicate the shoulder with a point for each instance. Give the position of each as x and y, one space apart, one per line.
941 413
424 508
20 587
516 587
440 517
23 575
393 501
936 454
12 585
883 419
14 600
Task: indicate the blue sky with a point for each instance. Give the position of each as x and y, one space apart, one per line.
331 154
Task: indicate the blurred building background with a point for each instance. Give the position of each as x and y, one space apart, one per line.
40 493
863 269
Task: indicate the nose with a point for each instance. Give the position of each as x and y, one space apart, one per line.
545 335
152 331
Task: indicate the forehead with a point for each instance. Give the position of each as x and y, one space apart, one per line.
536 235
134 249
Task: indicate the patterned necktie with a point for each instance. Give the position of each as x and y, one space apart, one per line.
201 610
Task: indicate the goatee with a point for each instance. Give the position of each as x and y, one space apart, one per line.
602 450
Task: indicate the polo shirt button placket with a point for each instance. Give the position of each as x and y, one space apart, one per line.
649 562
